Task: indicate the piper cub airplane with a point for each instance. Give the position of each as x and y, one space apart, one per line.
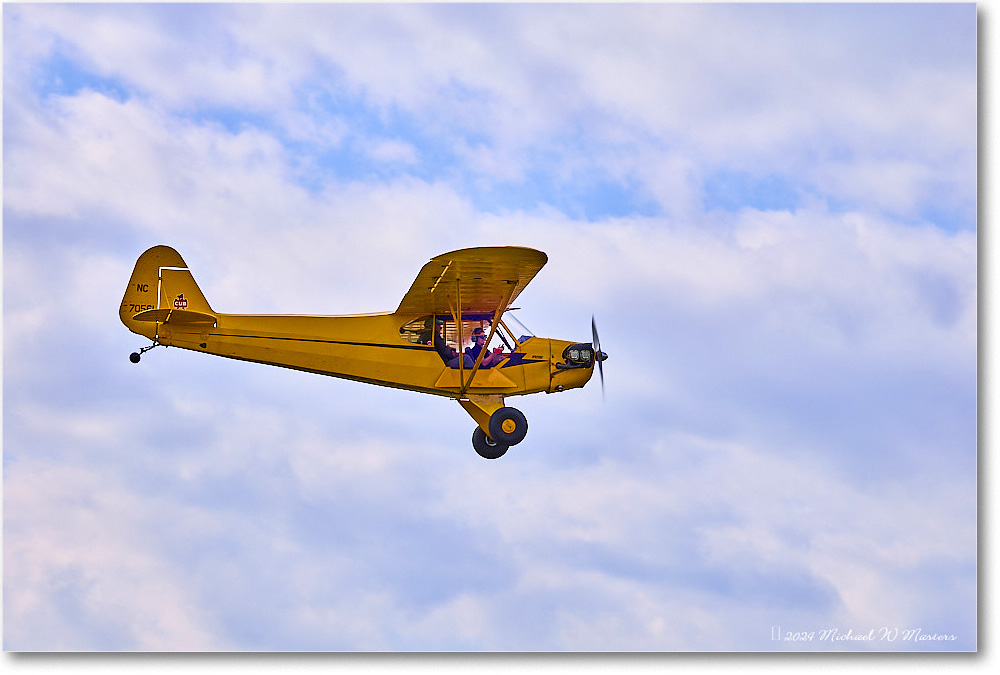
457 298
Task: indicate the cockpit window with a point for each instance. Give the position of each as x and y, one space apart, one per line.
419 331
508 335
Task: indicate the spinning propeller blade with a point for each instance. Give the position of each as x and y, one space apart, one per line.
599 356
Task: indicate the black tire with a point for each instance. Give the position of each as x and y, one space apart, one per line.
508 425
134 357
485 447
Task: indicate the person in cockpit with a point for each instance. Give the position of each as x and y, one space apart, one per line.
448 354
490 359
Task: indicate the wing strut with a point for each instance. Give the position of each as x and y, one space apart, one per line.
458 319
493 329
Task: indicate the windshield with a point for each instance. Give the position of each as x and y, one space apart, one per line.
522 332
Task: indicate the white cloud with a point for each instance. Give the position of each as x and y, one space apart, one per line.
803 268
393 152
74 537
93 156
608 554
747 89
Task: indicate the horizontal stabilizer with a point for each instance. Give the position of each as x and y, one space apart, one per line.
176 317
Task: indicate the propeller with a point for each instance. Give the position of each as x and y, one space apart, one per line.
599 356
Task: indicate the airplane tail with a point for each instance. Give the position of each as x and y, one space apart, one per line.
162 287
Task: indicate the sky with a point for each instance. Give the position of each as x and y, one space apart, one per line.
770 210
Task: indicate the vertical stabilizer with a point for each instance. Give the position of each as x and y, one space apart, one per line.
160 280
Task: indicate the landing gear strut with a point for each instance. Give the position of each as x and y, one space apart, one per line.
135 356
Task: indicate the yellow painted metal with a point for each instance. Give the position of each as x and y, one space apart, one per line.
480 408
490 378
459 325
175 316
164 303
484 272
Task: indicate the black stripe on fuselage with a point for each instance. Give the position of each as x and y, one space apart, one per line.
515 359
328 342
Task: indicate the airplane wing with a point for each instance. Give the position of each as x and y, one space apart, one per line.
483 278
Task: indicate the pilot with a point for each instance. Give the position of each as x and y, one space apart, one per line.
490 359
448 354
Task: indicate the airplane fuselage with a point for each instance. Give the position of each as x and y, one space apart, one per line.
369 348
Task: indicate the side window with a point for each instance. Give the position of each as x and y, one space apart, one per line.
419 331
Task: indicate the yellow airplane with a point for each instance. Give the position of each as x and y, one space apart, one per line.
420 346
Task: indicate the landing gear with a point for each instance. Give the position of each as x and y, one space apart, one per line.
485 446
508 427
134 357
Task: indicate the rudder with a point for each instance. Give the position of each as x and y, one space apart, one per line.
160 280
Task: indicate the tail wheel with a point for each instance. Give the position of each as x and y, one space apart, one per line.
134 357
485 446
508 425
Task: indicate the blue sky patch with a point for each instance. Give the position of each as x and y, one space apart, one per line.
586 197
735 190
62 76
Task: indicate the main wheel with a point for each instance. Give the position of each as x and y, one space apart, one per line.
485 446
134 357
508 425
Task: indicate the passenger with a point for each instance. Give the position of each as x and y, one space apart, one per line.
426 336
490 359
448 354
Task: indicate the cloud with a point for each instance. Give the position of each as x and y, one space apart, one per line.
79 549
629 77
308 525
553 99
